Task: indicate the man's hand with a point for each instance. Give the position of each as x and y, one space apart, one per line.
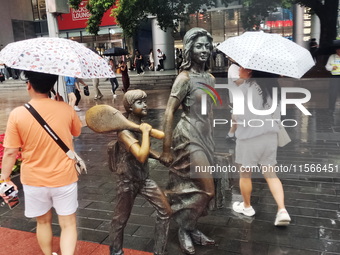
8 198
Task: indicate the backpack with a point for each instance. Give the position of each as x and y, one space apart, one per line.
113 150
164 56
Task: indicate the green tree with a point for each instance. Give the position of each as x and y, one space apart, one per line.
130 13
97 8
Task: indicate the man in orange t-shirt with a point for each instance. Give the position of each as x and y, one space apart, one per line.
48 175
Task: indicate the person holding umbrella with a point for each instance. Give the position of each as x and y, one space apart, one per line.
47 173
263 59
258 146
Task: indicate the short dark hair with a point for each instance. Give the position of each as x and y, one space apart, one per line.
41 82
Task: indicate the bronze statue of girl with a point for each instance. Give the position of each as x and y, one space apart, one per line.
189 192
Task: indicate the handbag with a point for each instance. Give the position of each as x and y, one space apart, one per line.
78 162
282 137
86 91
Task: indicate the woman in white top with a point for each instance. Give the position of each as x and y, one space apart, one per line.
333 66
256 143
151 59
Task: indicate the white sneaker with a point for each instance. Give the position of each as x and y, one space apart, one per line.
114 95
239 208
76 108
282 218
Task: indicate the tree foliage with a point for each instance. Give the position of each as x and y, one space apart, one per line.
130 13
97 8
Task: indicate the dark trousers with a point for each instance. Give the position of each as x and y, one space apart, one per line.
334 85
161 64
139 66
127 191
114 84
78 96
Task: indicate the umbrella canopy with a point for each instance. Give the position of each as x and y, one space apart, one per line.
55 56
115 51
268 53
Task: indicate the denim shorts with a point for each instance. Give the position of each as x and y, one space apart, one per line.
70 89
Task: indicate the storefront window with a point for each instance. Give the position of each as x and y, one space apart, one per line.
39 9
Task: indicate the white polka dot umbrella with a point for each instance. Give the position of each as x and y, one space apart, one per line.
55 56
268 53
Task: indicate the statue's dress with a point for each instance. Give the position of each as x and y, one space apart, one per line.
193 133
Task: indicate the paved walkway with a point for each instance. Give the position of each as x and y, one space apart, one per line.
312 198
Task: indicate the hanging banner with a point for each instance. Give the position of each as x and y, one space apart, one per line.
78 18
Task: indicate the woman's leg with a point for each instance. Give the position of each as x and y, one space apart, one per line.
68 236
71 99
246 185
275 186
44 232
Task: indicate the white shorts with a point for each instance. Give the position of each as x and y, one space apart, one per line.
39 200
257 150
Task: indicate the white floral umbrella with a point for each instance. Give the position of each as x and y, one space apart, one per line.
268 53
55 56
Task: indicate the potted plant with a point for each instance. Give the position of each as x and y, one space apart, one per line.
16 168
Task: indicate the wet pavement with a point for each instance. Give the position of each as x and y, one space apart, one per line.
312 195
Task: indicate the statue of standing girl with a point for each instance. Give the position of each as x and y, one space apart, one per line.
190 143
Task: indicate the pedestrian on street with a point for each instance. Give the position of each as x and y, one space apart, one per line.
139 62
152 60
125 76
256 148
161 59
48 175
333 66
70 90
113 80
77 93
95 82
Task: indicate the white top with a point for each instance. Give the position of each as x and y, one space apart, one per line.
151 57
160 54
233 75
247 121
333 60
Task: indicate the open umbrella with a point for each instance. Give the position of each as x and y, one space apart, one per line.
55 56
268 53
115 51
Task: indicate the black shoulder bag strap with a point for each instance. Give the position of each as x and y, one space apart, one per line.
50 131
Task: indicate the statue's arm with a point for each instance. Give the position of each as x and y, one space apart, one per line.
172 106
139 151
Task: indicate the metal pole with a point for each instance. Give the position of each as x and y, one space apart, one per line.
53 31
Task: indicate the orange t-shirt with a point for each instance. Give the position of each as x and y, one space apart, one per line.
44 163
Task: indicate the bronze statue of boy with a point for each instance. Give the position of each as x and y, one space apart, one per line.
129 162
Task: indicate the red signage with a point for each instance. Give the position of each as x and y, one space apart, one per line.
77 18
